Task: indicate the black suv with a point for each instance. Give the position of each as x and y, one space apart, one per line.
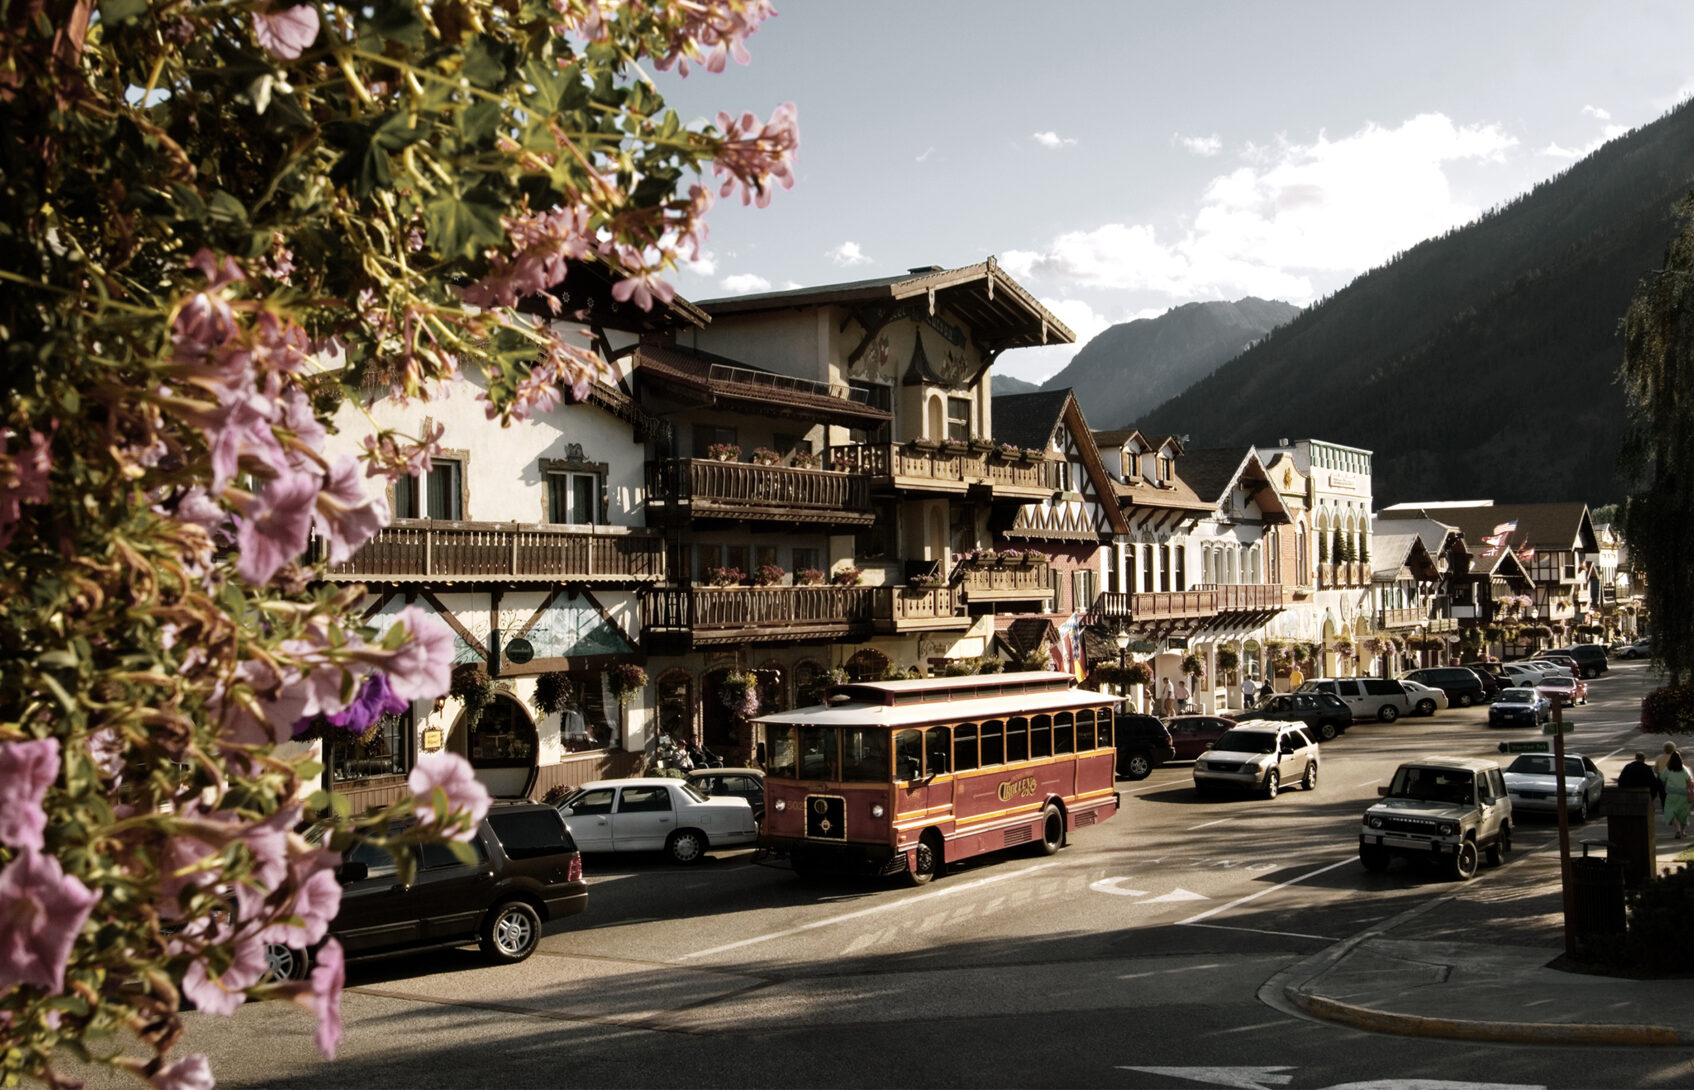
1143 744
1462 686
1323 713
1590 658
526 875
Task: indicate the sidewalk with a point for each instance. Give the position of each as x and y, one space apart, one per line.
1475 964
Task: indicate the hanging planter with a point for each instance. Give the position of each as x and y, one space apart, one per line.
626 679
474 688
739 692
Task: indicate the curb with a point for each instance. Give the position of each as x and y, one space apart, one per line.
1538 1033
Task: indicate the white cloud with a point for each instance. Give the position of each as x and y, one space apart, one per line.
1555 150
927 152
705 265
1293 213
1051 139
744 284
1206 146
848 254
1596 111
1037 365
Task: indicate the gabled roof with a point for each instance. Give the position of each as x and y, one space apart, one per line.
1545 527
1389 553
1117 437
1035 418
1028 420
1213 471
720 382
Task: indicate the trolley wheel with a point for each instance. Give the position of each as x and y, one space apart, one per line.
1052 830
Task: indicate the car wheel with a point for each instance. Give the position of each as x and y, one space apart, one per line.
1582 811
511 932
1388 713
1464 700
1374 857
1502 844
285 963
1426 707
926 861
1273 782
1309 781
1052 830
1326 731
686 846
1137 766
1463 867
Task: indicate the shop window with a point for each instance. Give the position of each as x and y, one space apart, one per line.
383 750
676 704
503 736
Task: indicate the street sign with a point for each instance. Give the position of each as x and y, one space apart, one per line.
519 651
1523 747
1558 727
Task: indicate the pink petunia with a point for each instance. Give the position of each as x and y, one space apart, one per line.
422 667
754 155
346 517
329 974
189 1073
42 909
274 528
23 477
452 774
221 993
27 769
317 898
286 32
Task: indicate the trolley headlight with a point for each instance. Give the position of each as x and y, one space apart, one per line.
877 810
781 804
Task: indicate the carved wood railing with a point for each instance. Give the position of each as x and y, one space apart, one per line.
708 486
942 463
424 550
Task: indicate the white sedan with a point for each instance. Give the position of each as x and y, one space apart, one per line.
1426 699
656 814
1532 782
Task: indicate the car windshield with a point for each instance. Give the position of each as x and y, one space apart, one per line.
1448 785
1541 764
1247 741
1518 696
1559 683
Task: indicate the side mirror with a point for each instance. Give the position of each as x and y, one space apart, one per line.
1381 790
354 870
566 811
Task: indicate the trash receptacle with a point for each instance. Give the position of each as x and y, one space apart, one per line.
1630 826
1596 896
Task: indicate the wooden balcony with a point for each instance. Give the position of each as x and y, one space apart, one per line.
428 551
1347 574
720 615
1202 602
946 468
681 489
1409 617
913 609
1005 584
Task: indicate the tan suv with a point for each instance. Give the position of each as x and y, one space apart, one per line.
1440 809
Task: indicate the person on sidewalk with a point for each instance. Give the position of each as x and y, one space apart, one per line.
1182 695
1167 697
1659 768
1639 774
1249 689
1676 784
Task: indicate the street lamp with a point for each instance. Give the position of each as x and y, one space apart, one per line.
1123 648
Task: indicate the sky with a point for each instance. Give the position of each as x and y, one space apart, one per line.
1122 158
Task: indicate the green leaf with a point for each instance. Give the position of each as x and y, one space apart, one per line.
487 63
462 851
117 12
227 209
309 770
478 121
399 23
462 227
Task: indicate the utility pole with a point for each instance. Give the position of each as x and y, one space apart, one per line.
1564 825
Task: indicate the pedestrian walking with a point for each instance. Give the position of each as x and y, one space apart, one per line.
1639 774
1167 697
1677 789
1664 758
1249 690
1182 694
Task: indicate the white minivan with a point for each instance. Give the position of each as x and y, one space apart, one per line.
1367 697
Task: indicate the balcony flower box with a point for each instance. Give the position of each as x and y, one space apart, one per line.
725 577
956 446
977 442
926 582
847 577
765 456
925 446
723 452
805 459
769 575
809 577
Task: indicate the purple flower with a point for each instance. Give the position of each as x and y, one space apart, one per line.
328 975
450 774
188 1073
286 33
317 898
225 991
421 668
23 478
346 517
41 911
375 700
27 769
273 531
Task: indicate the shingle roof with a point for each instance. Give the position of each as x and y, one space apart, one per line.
1212 471
1027 420
1547 527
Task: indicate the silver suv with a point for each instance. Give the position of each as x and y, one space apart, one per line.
1445 809
1258 755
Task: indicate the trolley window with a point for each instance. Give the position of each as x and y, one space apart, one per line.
908 755
964 747
1064 734
1017 739
936 745
864 755
993 743
1041 737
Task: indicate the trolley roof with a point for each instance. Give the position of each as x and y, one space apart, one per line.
931 700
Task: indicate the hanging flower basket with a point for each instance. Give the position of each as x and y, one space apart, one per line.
627 679
739 692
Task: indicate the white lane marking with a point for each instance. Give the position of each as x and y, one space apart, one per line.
1219 821
904 902
1114 885
1262 931
1242 1078
1367 783
1177 894
1255 896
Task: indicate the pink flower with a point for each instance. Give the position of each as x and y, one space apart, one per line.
753 156
188 1073
41 911
641 287
329 974
451 775
274 528
23 477
286 33
542 242
346 517
421 668
27 769
718 25
106 750
221 993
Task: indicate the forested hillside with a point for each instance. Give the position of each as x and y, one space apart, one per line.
1479 364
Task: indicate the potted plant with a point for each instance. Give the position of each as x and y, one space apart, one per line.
725 577
805 459
977 442
769 575
927 582
841 461
808 577
627 679
765 456
723 452
847 577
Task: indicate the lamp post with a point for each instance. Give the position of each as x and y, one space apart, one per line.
1122 640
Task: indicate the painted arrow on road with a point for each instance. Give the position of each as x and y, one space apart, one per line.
1116 886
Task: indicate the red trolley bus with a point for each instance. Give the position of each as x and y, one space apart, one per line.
903 777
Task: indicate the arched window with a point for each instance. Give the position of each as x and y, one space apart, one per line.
810 680
676 703
502 737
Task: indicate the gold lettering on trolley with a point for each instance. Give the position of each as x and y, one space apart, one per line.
1012 789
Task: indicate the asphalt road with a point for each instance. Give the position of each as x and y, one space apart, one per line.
1133 958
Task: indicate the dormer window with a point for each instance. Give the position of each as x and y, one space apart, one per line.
1131 465
1164 469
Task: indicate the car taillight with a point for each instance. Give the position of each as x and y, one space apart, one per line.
574 872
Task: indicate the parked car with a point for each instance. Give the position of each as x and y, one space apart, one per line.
1564 691
1258 755
1552 666
654 814
1462 686
1640 649
1567 661
740 783
1426 699
1533 783
1366 697
1192 735
1523 675
1324 714
1143 744
1446 809
1520 707
1491 685
1590 656
526 877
